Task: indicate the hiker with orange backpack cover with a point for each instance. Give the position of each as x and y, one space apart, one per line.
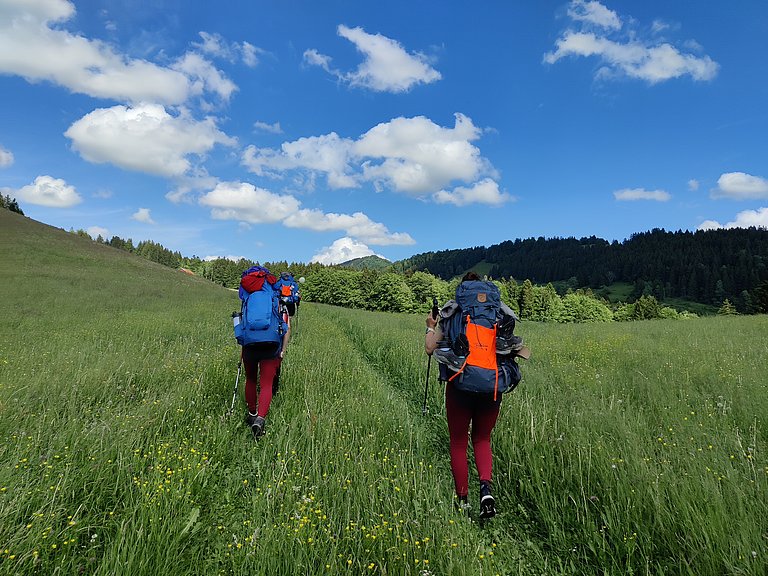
475 378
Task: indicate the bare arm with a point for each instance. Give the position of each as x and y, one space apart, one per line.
434 335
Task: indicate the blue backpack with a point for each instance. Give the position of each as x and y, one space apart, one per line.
260 321
288 288
471 327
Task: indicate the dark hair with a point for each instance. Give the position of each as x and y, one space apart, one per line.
470 276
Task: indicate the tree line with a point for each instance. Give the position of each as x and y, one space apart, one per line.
706 266
10 204
398 292
408 290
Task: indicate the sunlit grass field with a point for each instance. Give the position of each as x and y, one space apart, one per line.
629 448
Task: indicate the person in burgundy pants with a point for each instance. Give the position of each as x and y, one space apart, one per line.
260 375
469 414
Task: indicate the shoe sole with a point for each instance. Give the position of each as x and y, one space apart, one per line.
487 507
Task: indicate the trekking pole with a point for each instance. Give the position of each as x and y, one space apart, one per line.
237 379
429 362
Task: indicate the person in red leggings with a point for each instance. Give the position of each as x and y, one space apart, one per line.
260 375
468 411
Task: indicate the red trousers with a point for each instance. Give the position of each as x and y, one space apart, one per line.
481 411
259 375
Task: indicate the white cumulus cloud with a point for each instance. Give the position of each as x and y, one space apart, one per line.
741 186
342 250
144 138
414 156
629 194
631 55
746 219
418 157
693 184
244 202
387 67
143 215
328 154
47 191
483 192
34 45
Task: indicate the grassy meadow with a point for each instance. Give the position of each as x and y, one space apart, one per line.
633 448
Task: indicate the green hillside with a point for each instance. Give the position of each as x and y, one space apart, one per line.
628 448
367 263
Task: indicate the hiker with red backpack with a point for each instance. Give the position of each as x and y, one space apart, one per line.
263 330
471 338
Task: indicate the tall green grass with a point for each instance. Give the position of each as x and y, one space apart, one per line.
117 456
632 448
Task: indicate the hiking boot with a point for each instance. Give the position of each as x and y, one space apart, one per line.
487 502
255 423
507 345
258 427
446 356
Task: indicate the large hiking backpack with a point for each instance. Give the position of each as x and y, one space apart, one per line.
261 321
477 329
289 292
289 289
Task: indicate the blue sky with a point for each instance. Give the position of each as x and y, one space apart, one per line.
323 131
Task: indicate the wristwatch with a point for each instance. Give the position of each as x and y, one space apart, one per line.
429 330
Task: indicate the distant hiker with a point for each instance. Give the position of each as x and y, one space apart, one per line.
290 297
289 292
287 320
263 332
473 342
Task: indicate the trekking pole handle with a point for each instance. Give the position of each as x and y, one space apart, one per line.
435 310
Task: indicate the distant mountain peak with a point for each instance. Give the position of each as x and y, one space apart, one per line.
372 262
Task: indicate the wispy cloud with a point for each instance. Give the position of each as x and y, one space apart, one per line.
630 194
594 13
265 127
628 54
387 67
6 158
244 202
